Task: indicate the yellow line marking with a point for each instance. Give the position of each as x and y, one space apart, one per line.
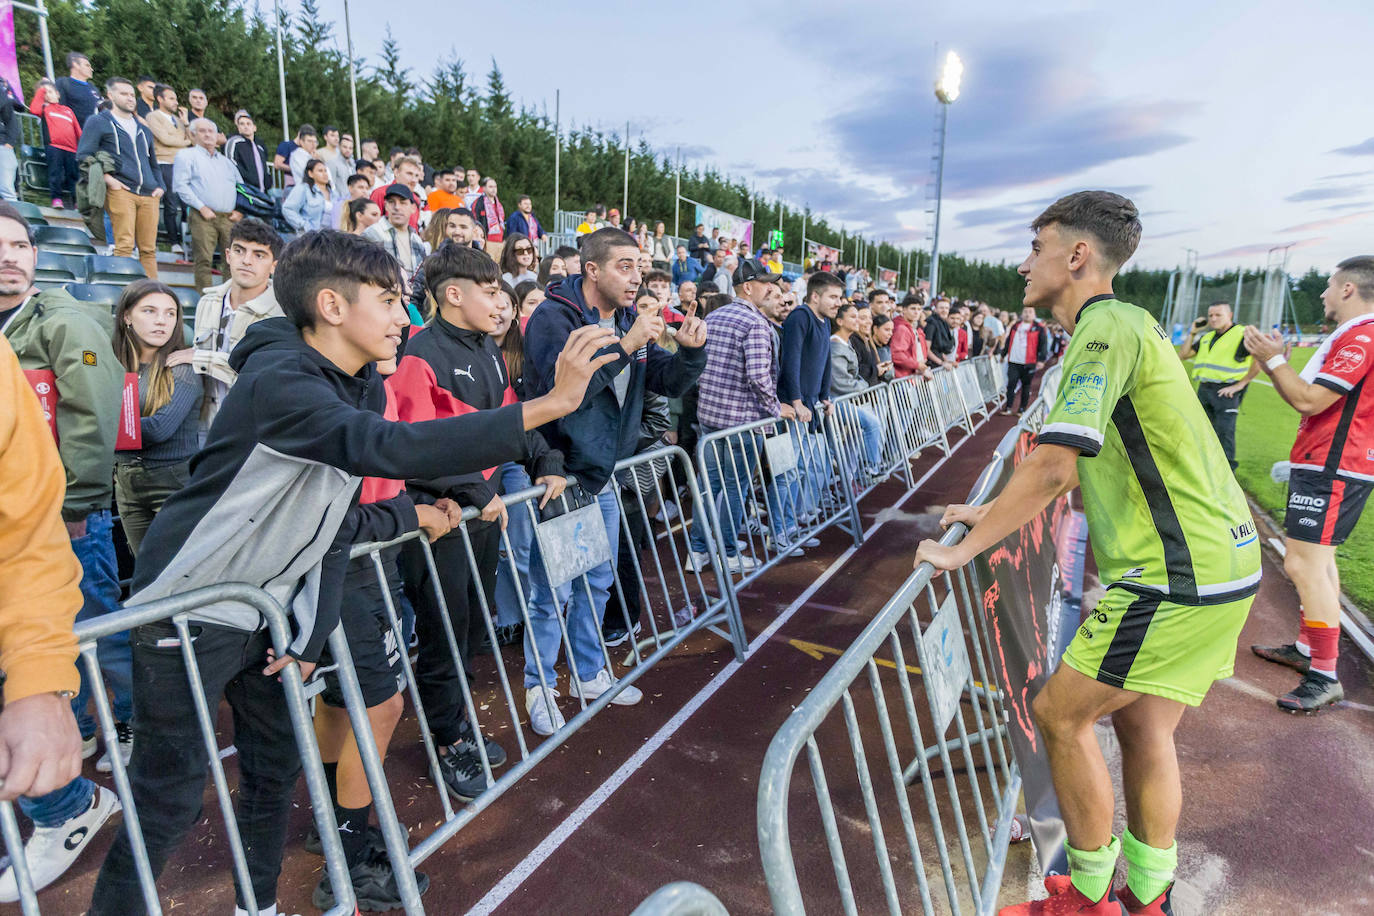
819 652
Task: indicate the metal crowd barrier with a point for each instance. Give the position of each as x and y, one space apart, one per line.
681 898
675 601
773 484
176 609
938 619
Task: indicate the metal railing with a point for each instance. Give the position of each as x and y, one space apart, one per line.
681 898
674 602
177 610
938 619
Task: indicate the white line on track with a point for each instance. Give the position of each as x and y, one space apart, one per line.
540 854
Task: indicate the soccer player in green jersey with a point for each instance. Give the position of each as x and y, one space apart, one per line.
1174 542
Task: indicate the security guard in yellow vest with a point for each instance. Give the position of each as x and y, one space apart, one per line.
1222 370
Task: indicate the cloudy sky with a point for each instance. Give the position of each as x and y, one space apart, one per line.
1235 126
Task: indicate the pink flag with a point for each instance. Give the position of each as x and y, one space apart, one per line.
9 59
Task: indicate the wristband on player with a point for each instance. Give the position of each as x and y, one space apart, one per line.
1273 362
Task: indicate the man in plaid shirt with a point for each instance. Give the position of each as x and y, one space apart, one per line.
739 385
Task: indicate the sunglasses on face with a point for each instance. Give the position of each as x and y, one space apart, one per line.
523 249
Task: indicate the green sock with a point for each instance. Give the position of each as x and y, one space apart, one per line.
1149 870
1092 872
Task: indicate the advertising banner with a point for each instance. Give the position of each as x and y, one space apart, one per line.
730 226
820 255
9 58
1033 589
887 279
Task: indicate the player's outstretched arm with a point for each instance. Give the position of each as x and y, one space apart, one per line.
1047 472
1304 397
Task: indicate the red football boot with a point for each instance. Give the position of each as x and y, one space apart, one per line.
1066 900
1160 906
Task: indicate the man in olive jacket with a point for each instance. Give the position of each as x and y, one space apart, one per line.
65 351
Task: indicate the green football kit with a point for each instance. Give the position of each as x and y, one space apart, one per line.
1173 538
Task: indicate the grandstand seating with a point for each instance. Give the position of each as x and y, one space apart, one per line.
106 294
59 266
101 268
31 213
64 239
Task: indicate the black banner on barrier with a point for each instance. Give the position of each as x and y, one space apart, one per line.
1032 595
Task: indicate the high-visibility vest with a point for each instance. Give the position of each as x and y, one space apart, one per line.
1216 357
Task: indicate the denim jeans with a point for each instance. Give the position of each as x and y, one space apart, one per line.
100 594
9 171
59 805
813 468
520 531
870 428
583 618
729 469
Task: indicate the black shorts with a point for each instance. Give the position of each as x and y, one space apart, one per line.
375 650
1322 508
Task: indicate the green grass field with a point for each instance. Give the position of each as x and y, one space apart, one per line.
1264 434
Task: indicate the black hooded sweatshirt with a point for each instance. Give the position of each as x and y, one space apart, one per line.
279 472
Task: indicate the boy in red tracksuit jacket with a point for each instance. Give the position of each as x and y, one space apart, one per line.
61 132
453 367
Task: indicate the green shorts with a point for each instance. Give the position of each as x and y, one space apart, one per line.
1149 645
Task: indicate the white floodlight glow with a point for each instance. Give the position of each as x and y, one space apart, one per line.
947 86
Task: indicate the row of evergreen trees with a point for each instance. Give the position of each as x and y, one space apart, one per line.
229 50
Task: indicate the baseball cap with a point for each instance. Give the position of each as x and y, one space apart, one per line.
753 270
242 113
399 190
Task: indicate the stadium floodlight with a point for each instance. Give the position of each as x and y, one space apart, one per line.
946 90
947 86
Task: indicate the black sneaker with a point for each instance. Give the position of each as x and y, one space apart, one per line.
1315 692
1287 655
315 846
461 769
616 636
374 887
508 634
496 754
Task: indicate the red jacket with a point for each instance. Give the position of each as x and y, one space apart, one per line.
909 348
1037 342
962 341
59 122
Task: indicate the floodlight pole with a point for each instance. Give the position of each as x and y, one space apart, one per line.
557 148
281 75
625 196
939 187
677 196
352 81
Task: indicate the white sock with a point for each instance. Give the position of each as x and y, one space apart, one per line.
1303 648
268 911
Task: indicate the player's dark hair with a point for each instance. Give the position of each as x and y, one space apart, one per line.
657 276
1360 271
327 259
8 211
1109 218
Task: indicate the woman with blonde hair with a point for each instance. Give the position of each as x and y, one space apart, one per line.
148 331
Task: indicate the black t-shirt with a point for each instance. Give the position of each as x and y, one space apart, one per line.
6 314
81 97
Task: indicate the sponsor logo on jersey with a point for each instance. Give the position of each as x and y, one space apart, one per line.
1096 346
1133 573
1347 359
1303 501
1084 391
1160 332
1362 338
1242 531
1308 520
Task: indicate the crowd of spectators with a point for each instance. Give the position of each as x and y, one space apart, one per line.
538 368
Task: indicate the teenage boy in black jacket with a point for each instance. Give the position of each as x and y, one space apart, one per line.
264 505
451 368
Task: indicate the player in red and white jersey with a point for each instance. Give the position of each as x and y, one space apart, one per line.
1331 476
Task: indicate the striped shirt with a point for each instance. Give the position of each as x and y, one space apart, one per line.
739 384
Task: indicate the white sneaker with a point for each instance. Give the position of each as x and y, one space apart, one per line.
52 850
698 561
741 563
177 249
126 748
545 718
605 681
89 747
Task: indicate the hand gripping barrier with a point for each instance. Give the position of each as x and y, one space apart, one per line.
570 562
177 609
